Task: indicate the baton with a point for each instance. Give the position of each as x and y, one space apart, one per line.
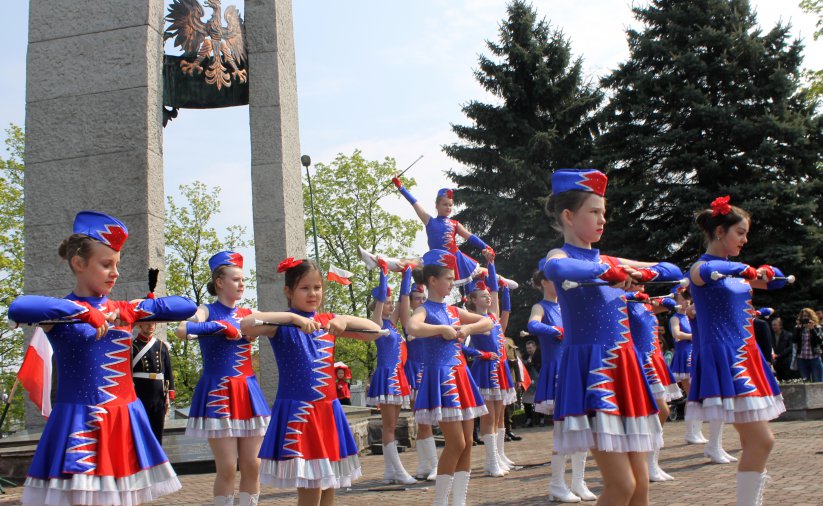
568 285
790 279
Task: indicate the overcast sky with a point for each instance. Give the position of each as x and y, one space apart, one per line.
385 77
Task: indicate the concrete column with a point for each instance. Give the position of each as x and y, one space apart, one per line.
94 137
275 157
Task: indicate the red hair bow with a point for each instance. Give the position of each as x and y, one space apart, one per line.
287 264
450 194
720 205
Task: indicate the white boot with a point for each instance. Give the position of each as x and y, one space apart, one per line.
579 487
394 264
750 488
394 471
492 466
558 491
460 488
655 473
224 500
694 434
247 499
501 441
723 452
442 487
426 459
714 449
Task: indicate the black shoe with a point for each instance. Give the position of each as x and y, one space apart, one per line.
511 436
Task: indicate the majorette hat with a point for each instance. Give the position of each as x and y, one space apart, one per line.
445 192
586 180
226 258
475 285
418 288
101 227
442 258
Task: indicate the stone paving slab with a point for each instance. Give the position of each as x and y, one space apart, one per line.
795 467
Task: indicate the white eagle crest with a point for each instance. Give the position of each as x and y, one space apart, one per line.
201 40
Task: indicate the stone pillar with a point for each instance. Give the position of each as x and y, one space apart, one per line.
94 137
275 157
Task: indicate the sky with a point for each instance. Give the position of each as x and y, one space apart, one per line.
388 78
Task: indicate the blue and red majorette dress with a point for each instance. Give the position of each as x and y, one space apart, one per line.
227 400
97 446
551 351
493 377
413 367
447 391
682 359
646 333
309 443
731 381
441 232
602 399
388 383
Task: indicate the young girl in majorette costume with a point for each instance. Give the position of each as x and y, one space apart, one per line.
603 401
447 395
308 445
731 380
388 388
228 407
97 446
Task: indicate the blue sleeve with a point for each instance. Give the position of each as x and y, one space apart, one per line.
777 284
203 328
405 283
571 269
491 278
469 351
722 266
381 291
172 308
37 308
540 328
669 303
408 195
666 272
505 300
477 242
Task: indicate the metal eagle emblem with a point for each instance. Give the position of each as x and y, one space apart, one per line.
210 40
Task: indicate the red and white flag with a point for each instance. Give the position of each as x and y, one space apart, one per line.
524 374
339 275
35 373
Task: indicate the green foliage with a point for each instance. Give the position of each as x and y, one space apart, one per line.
347 195
815 77
191 240
11 265
543 119
709 104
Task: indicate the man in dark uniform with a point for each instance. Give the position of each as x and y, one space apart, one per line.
153 377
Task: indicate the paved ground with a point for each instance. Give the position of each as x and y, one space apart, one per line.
795 467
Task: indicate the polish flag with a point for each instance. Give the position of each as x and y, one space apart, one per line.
35 373
339 275
527 380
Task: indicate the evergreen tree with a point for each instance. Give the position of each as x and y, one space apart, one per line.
543 119
709 104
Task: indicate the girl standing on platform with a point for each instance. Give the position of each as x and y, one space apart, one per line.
442 230
546 323
731 380
448 395
228 407
603 401
389 389
681 366
97 446
308 445
493 378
